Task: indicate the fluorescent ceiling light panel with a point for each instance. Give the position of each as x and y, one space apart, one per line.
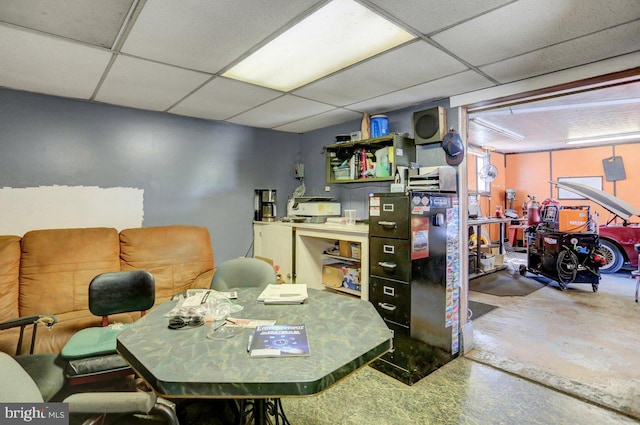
611 138
335 36
503 131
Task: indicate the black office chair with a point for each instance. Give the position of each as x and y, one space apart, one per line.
243 273
24 389
91 352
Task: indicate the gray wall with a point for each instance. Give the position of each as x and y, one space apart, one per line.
192 171
355 195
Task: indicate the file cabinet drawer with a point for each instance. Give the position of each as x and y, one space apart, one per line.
390 258
388 216
391 300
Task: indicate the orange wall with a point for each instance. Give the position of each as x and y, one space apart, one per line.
530 173
629 189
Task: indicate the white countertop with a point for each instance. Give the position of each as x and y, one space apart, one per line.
490 220
334 227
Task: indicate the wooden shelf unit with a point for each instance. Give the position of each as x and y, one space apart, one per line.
403 148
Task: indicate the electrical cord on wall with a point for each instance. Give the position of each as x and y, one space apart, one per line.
250 250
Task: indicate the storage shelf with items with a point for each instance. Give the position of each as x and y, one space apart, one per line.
341 269
368 160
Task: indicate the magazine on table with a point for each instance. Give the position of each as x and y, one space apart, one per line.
288 293
279 341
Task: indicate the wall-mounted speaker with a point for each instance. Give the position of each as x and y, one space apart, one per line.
430 125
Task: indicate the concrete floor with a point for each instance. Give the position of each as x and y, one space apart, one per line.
581 343
551 357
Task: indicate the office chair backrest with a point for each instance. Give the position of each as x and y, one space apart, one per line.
243 273
121 292
18 386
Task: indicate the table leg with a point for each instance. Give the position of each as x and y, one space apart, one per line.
260 411
478 245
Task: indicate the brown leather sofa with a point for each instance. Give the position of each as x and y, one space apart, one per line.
48 272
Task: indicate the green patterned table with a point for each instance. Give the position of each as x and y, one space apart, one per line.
344 334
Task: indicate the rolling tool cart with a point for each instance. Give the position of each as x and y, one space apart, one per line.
557 251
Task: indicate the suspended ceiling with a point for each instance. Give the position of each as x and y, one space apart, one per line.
166 55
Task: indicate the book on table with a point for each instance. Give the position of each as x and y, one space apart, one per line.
288 293
279 341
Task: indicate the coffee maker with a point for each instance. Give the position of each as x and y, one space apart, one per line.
265 205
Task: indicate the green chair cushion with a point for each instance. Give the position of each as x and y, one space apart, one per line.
93 342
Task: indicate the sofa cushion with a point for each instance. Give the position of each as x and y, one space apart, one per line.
58 264
178 257
9 276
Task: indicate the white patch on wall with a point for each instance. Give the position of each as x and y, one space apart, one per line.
57 207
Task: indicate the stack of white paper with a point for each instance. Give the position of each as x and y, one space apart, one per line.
295 293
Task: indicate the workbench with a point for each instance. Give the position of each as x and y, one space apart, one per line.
476 225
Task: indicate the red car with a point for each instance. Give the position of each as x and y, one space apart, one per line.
618 236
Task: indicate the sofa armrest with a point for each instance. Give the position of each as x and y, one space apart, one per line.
47 320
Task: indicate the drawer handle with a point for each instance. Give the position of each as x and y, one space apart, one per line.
388 223
387 265
387 306
388 290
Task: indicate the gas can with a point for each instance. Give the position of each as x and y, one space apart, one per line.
533 212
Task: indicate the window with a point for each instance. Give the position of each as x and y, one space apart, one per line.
484 186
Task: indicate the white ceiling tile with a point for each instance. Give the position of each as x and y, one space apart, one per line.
326 119
407 66
511 41
527 25
601 45
207 35
280 111
147 85
463 82
91 21
428 16
222 98
49 65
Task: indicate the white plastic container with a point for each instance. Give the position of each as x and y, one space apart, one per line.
487 264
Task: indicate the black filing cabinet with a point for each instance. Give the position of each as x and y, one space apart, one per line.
413 282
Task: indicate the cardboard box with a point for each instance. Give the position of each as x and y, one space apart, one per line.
333 275
355 250
345 249
489 249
